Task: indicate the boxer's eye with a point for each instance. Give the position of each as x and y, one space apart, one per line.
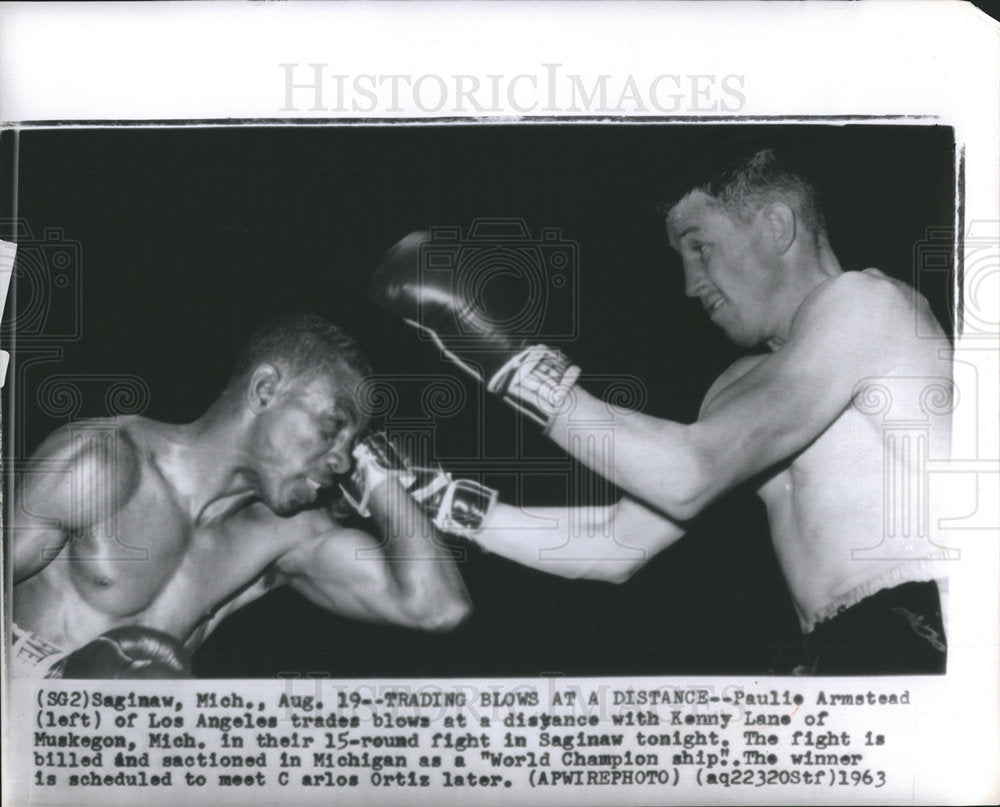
331 431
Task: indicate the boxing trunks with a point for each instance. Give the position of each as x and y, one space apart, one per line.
895 631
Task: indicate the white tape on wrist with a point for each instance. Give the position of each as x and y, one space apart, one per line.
537 382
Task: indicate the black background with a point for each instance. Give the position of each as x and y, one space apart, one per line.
189 237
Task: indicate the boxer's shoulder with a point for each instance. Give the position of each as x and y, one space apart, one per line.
847 324
875 288
117 450
868 321
78 437
84 462
860 299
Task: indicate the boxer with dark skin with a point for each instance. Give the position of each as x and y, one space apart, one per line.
811 423
131 522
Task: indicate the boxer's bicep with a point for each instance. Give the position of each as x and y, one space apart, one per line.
343 572
786 400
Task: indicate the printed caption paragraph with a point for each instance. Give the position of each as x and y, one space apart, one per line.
300 736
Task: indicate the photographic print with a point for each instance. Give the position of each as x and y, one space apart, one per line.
437 430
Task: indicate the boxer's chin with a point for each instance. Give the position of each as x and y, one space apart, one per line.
286 500
297 495
741 336
285 508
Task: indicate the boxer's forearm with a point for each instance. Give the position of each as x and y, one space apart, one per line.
598 543
654 460
420 564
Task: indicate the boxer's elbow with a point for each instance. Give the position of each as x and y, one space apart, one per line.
619 565
688 492
684 499
688 503
439 614
616 572
444 619
619 570
459 610
447 620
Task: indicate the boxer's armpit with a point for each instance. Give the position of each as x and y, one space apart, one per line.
273 577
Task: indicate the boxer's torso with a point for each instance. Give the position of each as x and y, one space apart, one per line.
146 562
850 508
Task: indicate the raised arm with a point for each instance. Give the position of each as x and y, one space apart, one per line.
408 577
847 331
76 480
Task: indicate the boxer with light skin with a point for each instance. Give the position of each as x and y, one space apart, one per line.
796 422
159 531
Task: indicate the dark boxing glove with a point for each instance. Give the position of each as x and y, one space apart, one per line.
535 379
129 652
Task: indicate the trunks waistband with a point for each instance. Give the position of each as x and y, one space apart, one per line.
909 572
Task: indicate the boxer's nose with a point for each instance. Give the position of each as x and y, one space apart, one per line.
694 278
339 458
339 464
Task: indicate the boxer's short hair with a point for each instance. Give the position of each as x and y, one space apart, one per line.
743 178
306 344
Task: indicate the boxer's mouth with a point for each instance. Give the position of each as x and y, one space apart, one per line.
712 304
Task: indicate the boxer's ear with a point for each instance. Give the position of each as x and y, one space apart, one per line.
781 224
263 387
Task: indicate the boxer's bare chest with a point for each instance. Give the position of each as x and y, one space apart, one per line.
824 496
148 561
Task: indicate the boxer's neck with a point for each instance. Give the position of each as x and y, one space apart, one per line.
207 465
804 271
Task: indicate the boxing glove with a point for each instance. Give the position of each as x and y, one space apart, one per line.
455 506
375 460
129 652
534 379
